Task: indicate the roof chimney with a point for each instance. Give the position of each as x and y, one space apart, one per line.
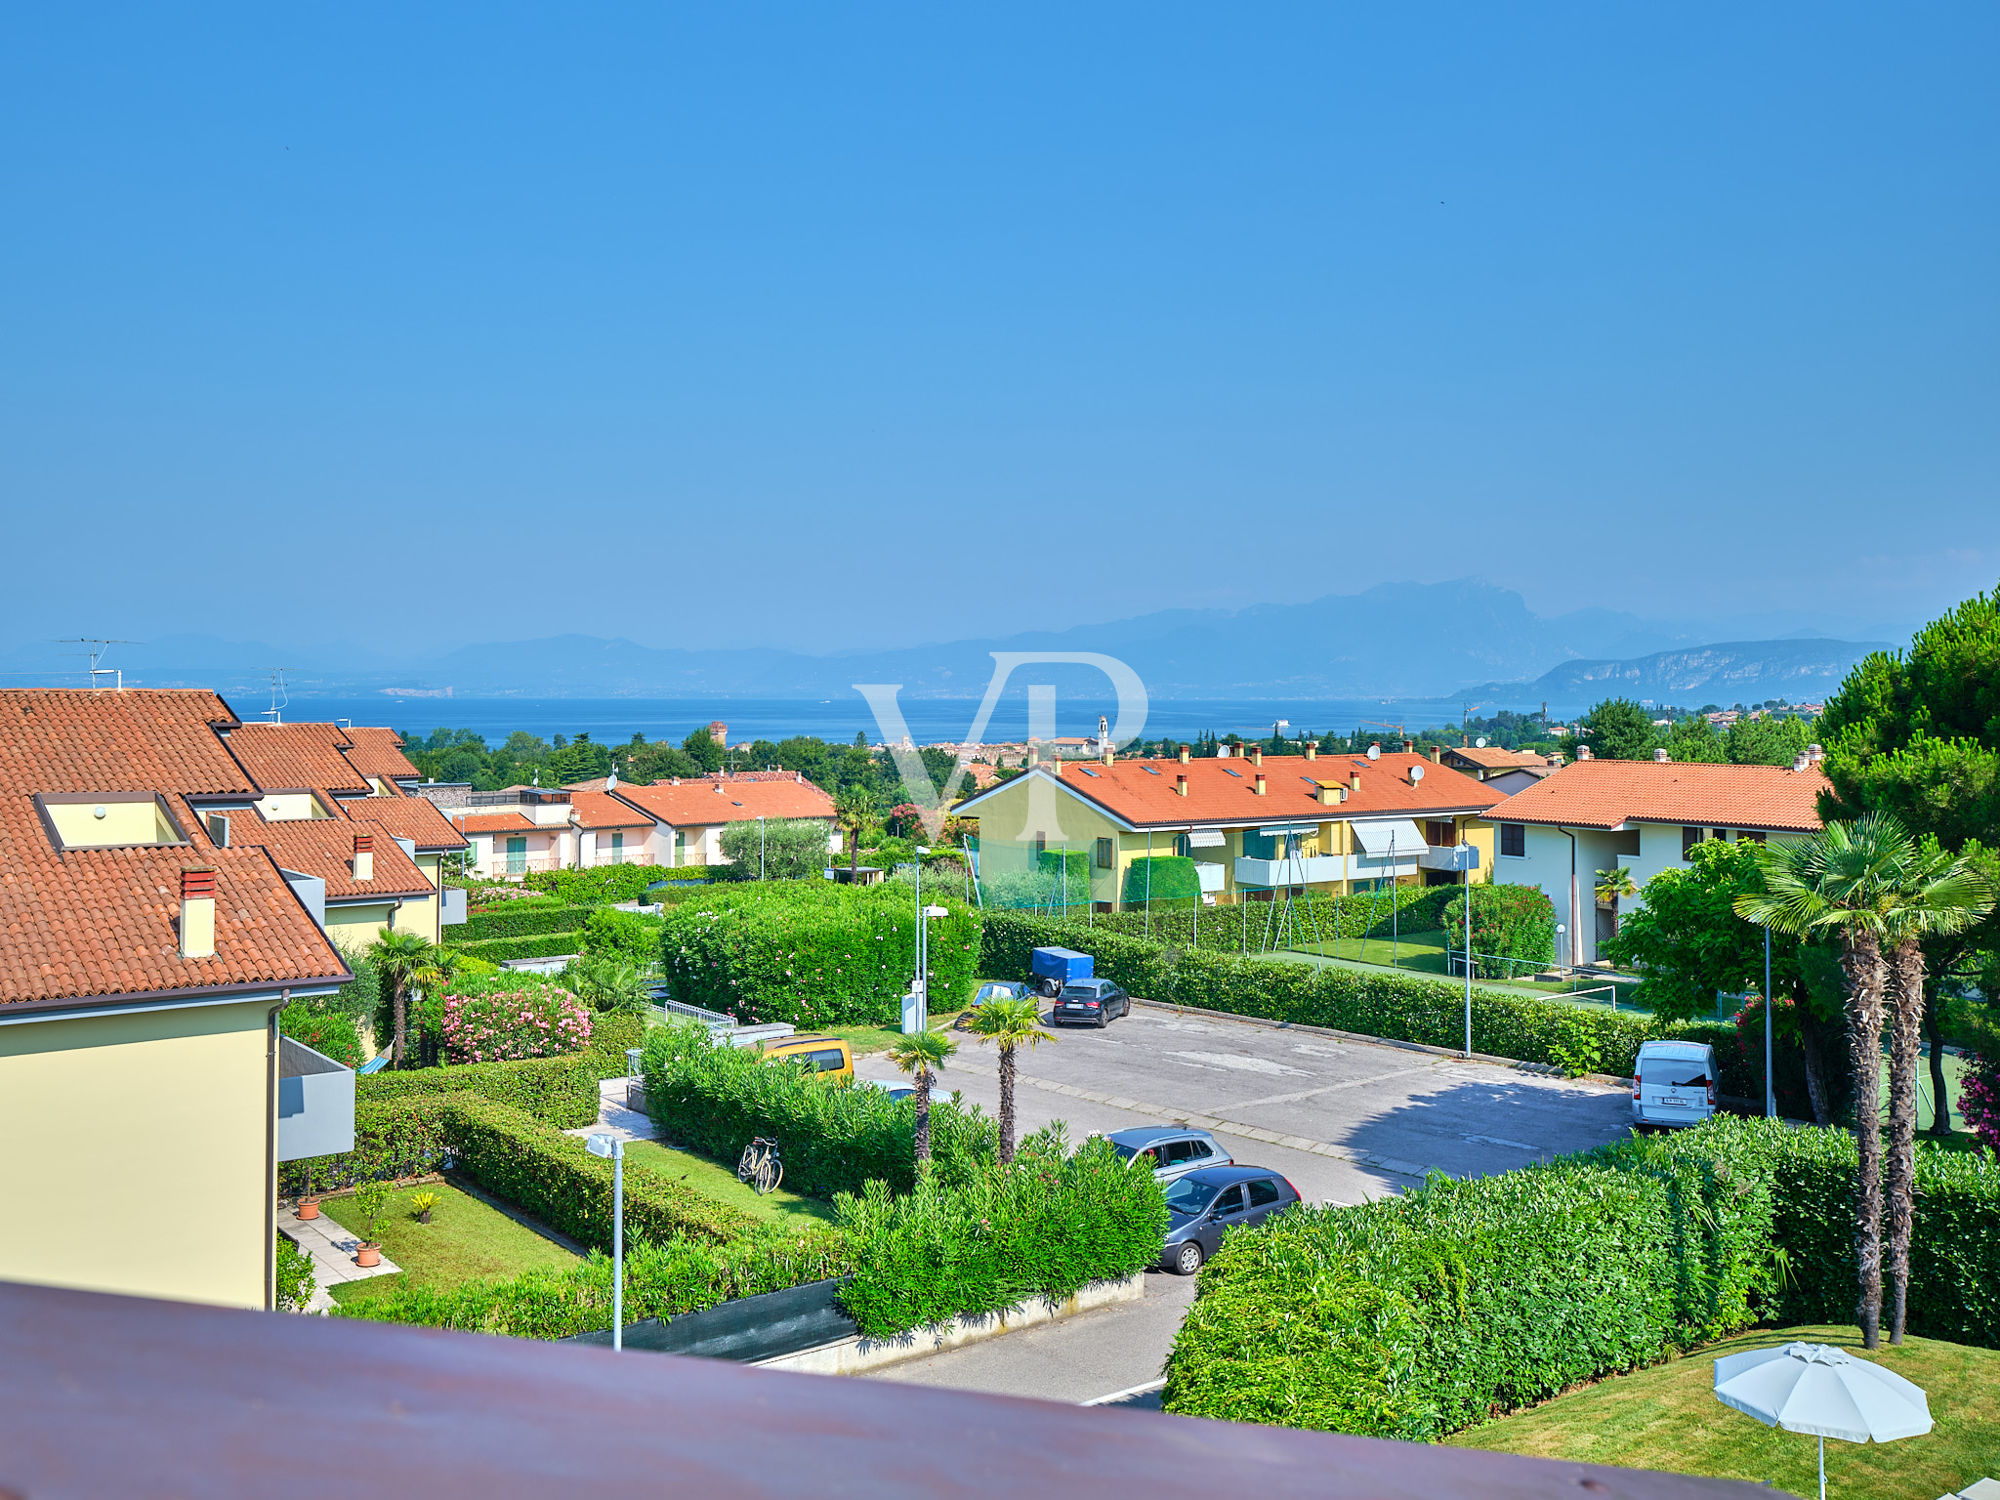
1583 752
1259 787
1180 784
1109 755
1256 755
1800 761
198 913
1354 780
1815 754
1312 750
720 789
1408 746
1185 754
1660 755
1437 755
364 857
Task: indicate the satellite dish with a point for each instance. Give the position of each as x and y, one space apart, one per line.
1480 742
1416 774
1374 752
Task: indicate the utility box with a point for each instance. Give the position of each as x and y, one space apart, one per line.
1063 965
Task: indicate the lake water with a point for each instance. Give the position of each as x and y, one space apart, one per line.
616 720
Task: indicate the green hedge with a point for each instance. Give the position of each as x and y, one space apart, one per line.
987 1238
1169 877
1019 879
399 1137
1509 922
519 919
550 1175
1241 927
833 1137
813 953
1385 1005
601 885
1416 1316
625 934
661 1281
500 950
331 1033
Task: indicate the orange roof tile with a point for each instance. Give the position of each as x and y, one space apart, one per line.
1493 758
500 822
1142 792
379 752
294 757
602 810
1606 793
94 924
412 818
693 804
325 847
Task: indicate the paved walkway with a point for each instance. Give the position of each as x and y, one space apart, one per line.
616 1116
332 1247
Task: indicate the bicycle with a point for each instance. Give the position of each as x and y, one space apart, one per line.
760 1166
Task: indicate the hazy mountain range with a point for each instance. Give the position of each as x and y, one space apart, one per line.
1444 640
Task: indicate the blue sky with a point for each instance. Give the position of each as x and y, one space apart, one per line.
843 325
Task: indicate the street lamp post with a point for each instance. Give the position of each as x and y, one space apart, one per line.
924 947
1770 1093
613 1147
1466 854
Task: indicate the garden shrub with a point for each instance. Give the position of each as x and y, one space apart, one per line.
661 1281
601 885
506 1025
331 1033
1513 927
813 953
1169 877
296 1283
983 1237
394 1137
1242 927
551 1175
1387 1005
781 848
833 1136
1055 877
501 950
1416 1316
1979 1101
521 919
625 934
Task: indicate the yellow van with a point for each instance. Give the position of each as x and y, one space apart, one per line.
828 1056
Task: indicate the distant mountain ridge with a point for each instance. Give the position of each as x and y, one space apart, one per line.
1404 640
1801 671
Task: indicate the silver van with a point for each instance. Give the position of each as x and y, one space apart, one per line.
1673 1083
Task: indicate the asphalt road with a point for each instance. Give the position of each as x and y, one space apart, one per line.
1343 1121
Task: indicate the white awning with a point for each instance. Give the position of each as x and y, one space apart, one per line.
1376 837
1208 838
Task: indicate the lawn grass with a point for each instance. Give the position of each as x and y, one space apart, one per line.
713 1180
1668 1418
465 1241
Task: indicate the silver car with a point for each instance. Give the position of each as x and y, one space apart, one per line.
1171 1150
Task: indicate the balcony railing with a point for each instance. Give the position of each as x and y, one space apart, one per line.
621 857
503 864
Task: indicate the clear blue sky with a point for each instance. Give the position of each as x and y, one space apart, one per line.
473 322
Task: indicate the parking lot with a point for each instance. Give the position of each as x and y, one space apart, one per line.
1342 1120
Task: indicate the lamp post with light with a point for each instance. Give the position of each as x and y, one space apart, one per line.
613 1147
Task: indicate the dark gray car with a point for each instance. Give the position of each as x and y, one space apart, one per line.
1204 1206
1090 1002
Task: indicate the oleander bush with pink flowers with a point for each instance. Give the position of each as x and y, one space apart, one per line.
1979 1101
508 1022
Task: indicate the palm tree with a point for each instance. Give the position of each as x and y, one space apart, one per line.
1008 1024
1939 894
853 810
401 958
1612 886
921 1056
1846 880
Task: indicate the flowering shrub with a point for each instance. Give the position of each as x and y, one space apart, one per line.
506 1024
1979 1101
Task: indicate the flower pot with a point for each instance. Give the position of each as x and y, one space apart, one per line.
368 1255
308 1208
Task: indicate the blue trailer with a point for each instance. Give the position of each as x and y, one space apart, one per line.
1052 968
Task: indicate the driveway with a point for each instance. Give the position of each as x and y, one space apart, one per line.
1343 1121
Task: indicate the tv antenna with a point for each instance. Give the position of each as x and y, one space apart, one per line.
99 646
280 699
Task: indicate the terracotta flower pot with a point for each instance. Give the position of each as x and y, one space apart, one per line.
308 1208
368 1255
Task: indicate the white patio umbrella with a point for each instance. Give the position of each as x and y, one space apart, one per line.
1818 1389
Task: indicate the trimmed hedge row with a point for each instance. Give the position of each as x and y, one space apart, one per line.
551 1175
979 1240
833 1137
1429 1011
813 953
601 885
521 919
1416 1316
1240 928
499 950
661 1281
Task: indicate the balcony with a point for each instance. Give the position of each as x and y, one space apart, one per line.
1449 857
1315 869
315 1103
620 857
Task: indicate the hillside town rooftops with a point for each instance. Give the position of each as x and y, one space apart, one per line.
411 818
692 804
297 757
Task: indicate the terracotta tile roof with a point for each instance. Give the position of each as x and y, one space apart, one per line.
325 847
500 822
602 810
412 818
379 752
104 922
694 804
1141 792
294 757
1493 758
1605 793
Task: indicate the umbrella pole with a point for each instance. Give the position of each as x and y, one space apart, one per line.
1822 1469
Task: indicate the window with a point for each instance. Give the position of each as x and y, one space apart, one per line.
1179 1151
1181 844
1041 844
1721 834
1439 833
1750 835
1199 1151
1104 854
107 820
1514 839
1231 1202
829 1061
1689 838
1263 1193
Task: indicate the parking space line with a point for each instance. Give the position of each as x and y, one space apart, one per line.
1331 1088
